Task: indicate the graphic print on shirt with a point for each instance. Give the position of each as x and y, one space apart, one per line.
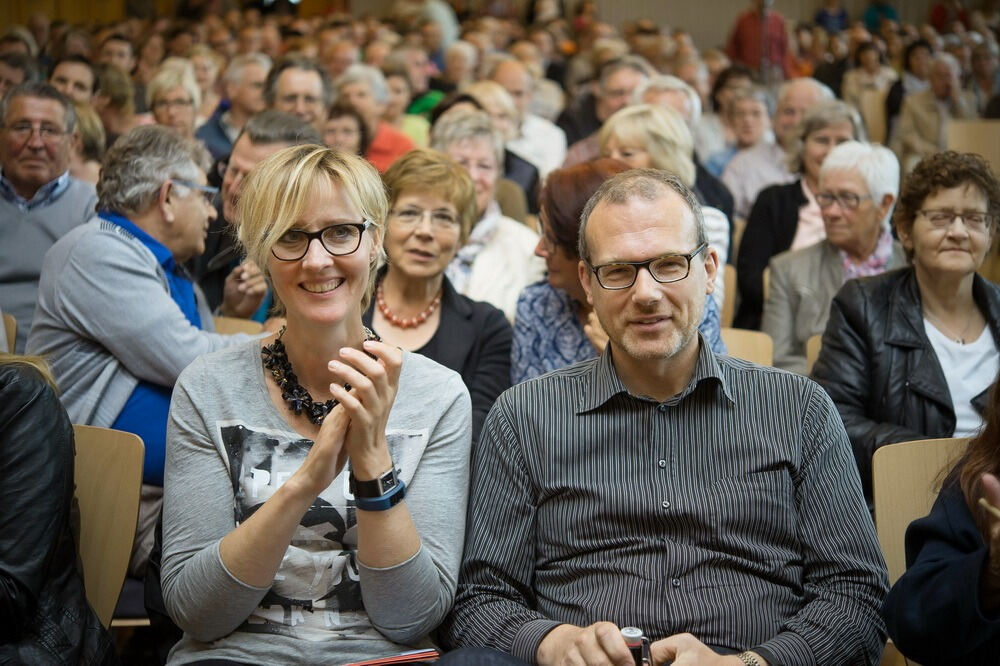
317 588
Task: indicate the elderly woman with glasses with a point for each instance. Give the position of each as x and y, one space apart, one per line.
316 480
174 97
910 354
432 208
858 185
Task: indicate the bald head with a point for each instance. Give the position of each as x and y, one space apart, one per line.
515 78
795 99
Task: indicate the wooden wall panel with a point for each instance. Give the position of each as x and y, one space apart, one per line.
74 11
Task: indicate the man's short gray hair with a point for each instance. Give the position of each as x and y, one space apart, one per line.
822 90
368 75
462 125
140 162
645 184
304 64
667 83
43 90
234 73
268 127
633 62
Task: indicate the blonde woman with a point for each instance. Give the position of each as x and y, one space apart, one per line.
315 490
648 136
207 66
173 96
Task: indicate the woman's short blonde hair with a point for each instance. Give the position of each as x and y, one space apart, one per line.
658 130
278 190
173 72
91 131
495 100
207 51
432 172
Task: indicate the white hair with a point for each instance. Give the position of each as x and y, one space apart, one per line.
234 73
370 76
877 166
668 82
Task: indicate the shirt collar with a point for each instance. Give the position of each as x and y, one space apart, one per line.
45 194
604 382
164 256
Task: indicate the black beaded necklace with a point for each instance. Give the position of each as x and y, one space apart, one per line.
275 359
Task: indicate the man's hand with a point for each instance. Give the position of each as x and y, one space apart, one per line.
686 650
595 332
244 291
599 644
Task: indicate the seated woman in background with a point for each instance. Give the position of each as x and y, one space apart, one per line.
648 136
496 261
44 614
748 112
555 326
345 129
946 607
910 354
788 217
432 206
397 80
286 535
858 185
173 96
868 73
88 145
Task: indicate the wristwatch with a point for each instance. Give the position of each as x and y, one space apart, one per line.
377 487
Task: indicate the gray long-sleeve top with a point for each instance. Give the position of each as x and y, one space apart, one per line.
229 449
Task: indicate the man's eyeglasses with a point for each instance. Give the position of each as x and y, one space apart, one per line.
847 200
48 133
337 239
207 191
441 220
974 220
665 269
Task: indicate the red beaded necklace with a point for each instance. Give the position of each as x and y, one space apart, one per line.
405 322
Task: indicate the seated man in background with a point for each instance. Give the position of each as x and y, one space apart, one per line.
243 86
118 316
858 186
39 201
301 87
628 507
219 269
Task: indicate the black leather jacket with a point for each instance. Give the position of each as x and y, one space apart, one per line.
44 614
880 369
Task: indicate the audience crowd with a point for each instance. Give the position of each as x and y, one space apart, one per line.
490 410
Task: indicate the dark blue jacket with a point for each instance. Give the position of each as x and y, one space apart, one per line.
214 136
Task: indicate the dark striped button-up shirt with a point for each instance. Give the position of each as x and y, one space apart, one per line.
732 511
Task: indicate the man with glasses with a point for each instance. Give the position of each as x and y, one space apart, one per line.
712 503
118 315
39 201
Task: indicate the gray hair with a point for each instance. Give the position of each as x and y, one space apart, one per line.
645 184
368 75
272 126
821 89
466 49
234 73
821 116
43 90
462 125
633 62
877 166
140 162
667 83
948 59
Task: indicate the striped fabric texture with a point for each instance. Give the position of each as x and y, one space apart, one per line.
732 511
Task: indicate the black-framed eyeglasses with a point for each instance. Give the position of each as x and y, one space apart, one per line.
207 191
337 239
847 200
664 269
973 220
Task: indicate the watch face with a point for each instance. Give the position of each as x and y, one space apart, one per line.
389 481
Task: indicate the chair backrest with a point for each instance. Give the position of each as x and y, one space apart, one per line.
753 346
108 471
976 136
10 330
234 325
903 477
729 302
871 106
813 345
765 283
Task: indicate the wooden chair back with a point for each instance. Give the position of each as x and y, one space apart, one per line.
903 483
10 330
753 346
813 345
729 302
108 472
976 136
765 283
234 325
871 106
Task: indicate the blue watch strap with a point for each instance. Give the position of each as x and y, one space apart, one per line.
385 502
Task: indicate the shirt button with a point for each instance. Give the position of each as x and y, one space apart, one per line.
662 464
676 582
662 408
665 504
